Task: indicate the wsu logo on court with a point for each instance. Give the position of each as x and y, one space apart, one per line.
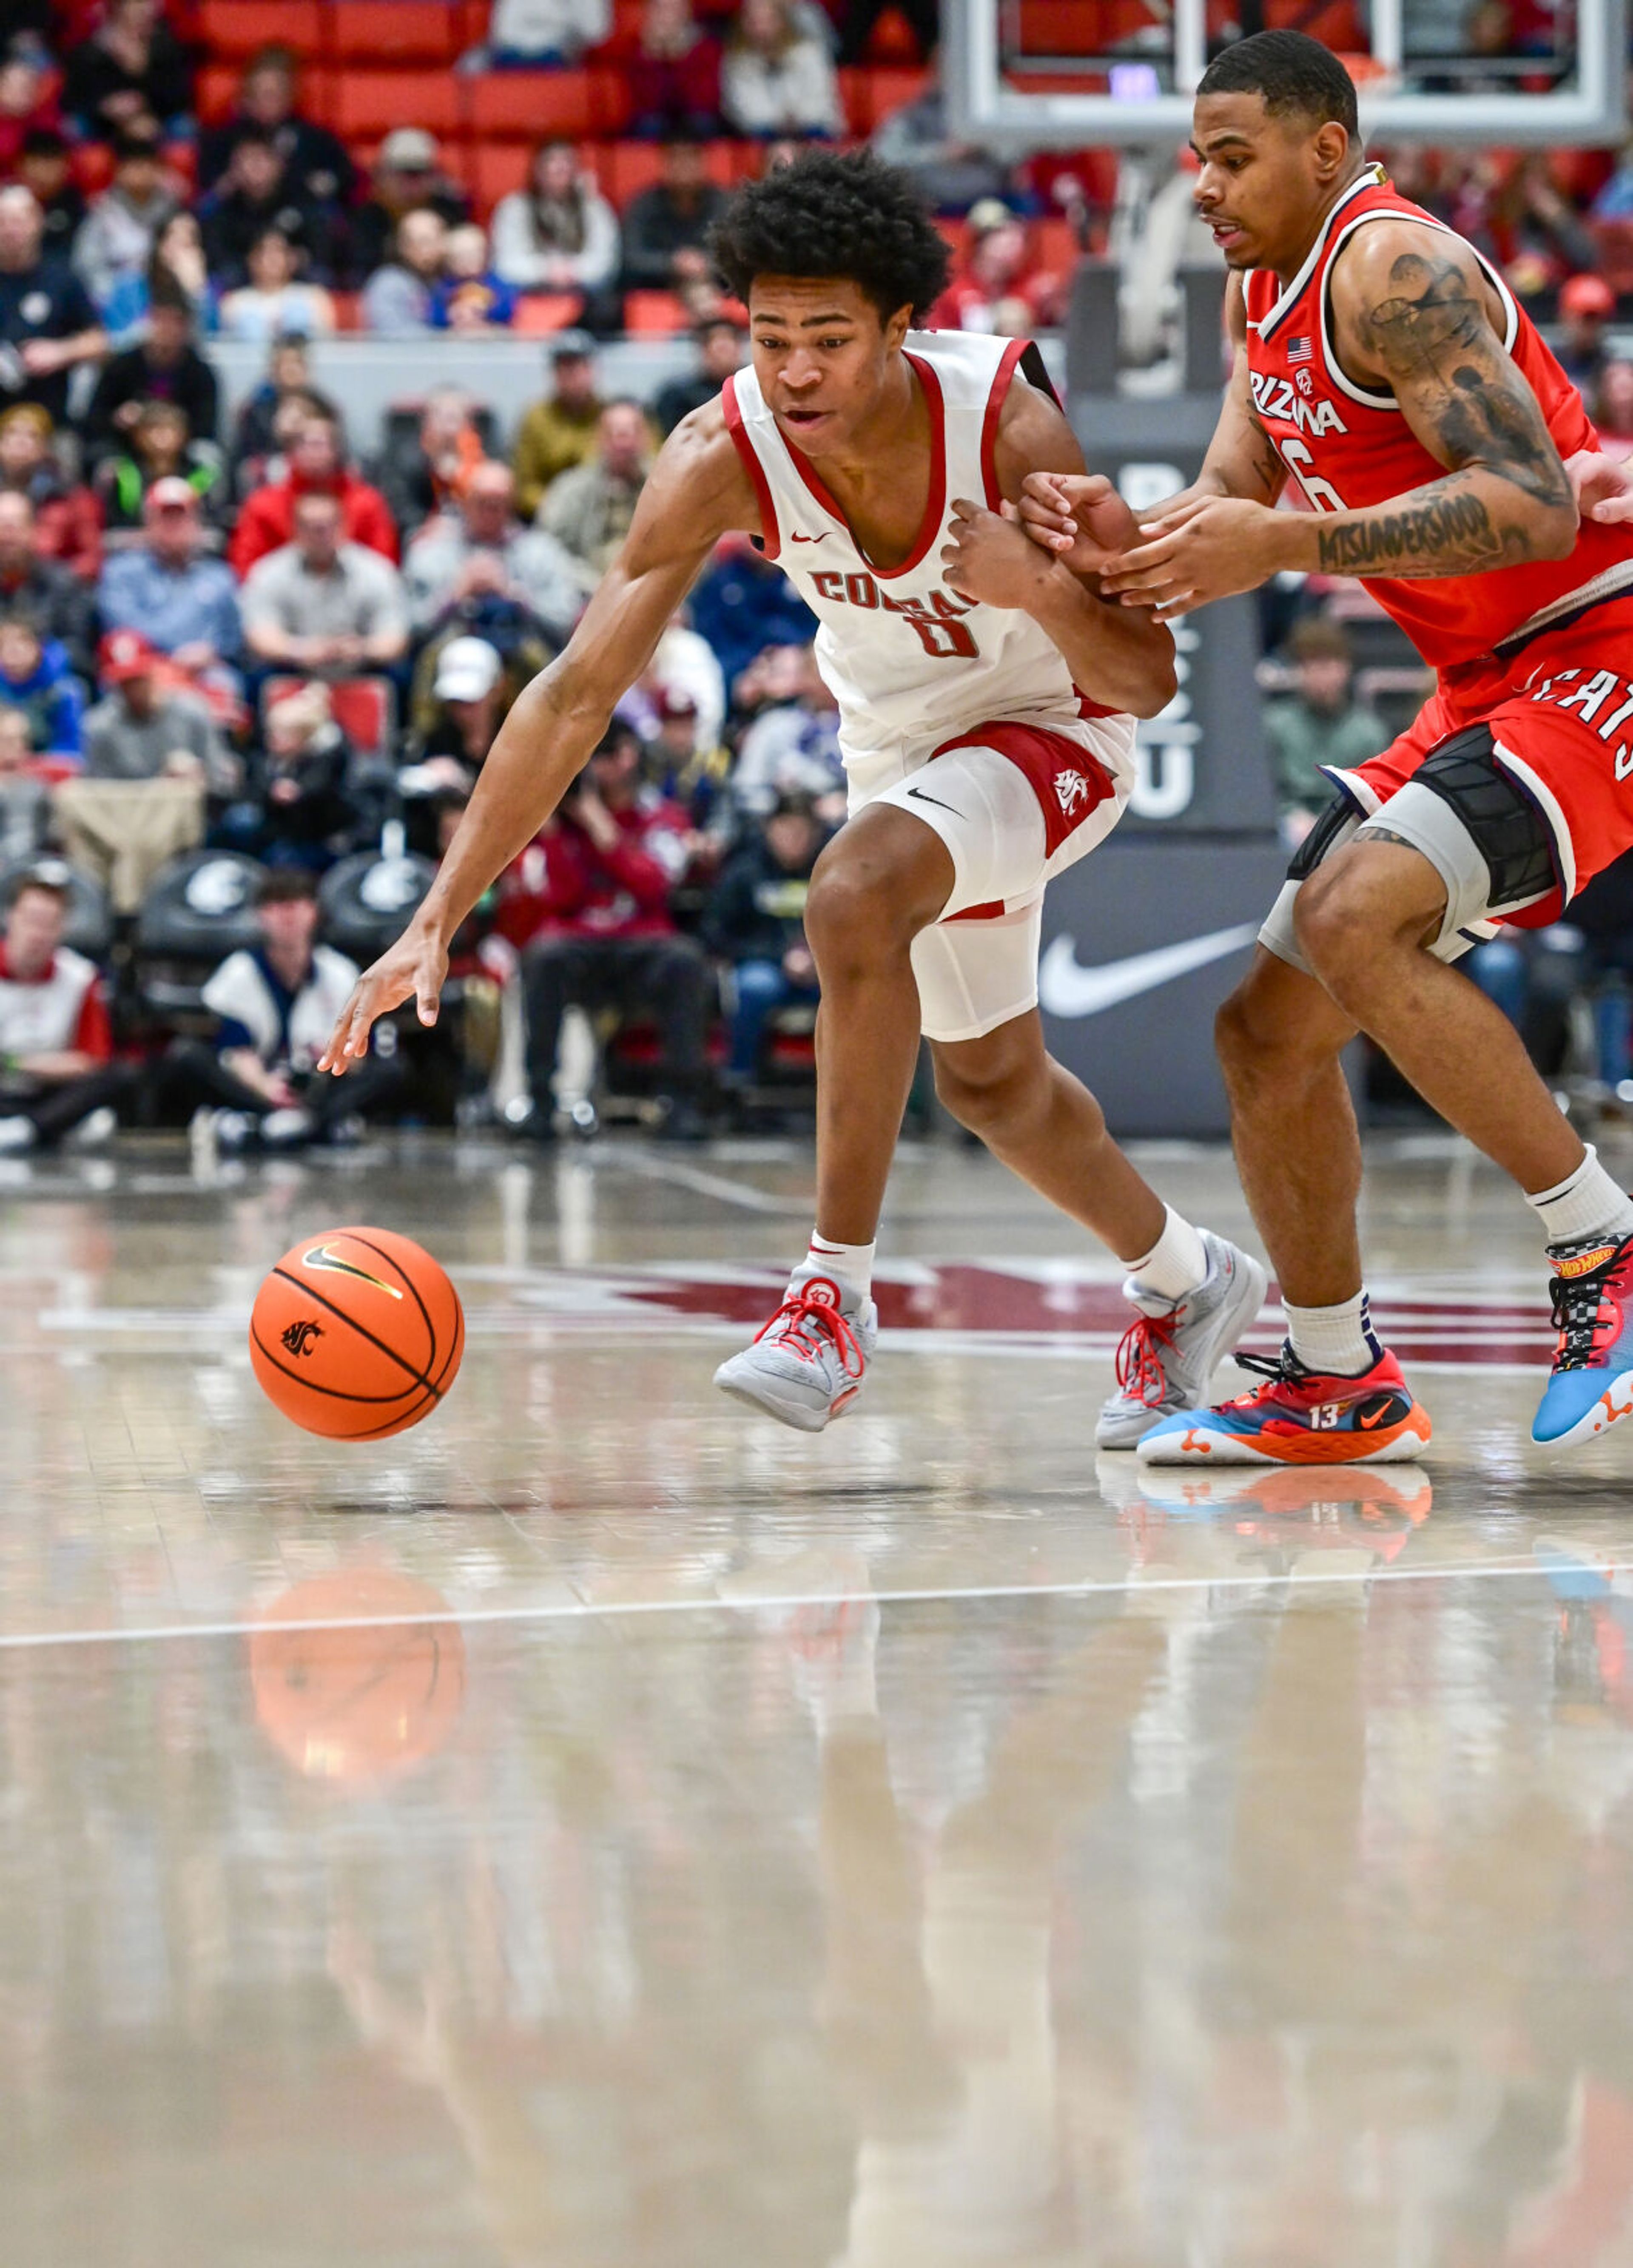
1072 790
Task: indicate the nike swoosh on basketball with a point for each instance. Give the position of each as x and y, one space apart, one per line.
919 796
321 1257
1067 989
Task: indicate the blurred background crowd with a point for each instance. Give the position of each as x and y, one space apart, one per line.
256 640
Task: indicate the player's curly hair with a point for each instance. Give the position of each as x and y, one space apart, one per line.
839 214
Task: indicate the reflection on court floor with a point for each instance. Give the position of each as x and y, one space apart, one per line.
595 1827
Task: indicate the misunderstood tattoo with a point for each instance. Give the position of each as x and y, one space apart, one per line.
1448 531
1443 360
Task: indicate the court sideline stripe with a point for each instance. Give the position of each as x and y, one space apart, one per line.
602 1610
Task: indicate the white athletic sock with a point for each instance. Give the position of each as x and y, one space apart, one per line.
851 1263
1175 1265
1588 1202
1336 1341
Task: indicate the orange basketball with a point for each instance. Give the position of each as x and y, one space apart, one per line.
361 1690
357 1334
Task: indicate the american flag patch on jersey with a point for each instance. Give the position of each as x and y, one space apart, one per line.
1300 350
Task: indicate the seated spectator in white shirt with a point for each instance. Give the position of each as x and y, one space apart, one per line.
560 234
777 78
320 606
275 303
58 1072
539 32
275 1004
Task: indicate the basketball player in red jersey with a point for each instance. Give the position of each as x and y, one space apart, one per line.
985 699
1385 368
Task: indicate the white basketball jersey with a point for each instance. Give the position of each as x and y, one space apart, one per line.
911 664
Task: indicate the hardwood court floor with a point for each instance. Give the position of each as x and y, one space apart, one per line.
599 1829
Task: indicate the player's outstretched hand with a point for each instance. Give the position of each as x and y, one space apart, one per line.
411 970
1209 548
1603 488
990 560
1078 518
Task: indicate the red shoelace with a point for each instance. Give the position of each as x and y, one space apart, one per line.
1139 1353
799 1313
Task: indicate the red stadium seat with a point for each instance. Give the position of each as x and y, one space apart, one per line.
373 102
612 99
233 30
629 167
540 312
493 169
93 164
651 314
364 709
1055 241
1079 27
384 32
889 90
527 105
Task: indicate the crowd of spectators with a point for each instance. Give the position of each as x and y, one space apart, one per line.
236 630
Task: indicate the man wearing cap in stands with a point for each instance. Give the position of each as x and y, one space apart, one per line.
1586 304
182 602
559 432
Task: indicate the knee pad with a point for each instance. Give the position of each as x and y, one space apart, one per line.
1501 822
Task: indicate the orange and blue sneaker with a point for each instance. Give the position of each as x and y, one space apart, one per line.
1299 1418
1592 1381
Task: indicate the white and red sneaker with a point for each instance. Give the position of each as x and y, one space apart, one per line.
808 1364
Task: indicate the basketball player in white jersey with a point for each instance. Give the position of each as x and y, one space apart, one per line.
987 701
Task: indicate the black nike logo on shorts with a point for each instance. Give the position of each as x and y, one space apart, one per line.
919 794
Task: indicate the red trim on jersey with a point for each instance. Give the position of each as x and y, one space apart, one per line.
1046 758
769 534
935 503
995 399
94 1034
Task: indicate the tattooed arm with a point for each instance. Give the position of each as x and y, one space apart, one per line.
1414 318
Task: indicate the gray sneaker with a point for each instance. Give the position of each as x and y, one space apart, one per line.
808 1363
1167 1355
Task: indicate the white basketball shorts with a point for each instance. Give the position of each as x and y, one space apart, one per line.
1014 804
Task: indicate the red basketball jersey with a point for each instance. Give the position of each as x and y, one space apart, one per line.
1349 448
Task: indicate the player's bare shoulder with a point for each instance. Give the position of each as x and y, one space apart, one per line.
697 491
1033 436
1407 296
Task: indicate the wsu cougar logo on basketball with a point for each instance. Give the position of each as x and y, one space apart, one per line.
299 1337
1072 789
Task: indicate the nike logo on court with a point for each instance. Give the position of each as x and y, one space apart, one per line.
1067 989
919 796
823 538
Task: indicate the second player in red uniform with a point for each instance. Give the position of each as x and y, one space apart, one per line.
1385 368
